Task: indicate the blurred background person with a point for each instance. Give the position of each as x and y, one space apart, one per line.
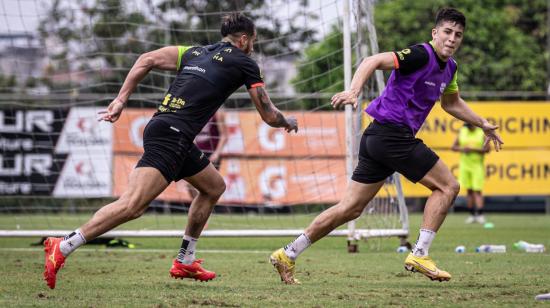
471 144
213 138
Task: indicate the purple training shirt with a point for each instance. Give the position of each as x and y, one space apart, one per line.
408 99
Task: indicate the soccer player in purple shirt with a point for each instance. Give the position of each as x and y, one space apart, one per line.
421 75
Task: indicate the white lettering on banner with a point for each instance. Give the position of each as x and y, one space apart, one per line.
271 139
25 144
40 163
272 182
12 188
27 164
136 130
41 119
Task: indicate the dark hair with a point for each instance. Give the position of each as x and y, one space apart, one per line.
450 14
237 23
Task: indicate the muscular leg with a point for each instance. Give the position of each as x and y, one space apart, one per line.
210 186
350 207
478 197
444 189
144 185
470 200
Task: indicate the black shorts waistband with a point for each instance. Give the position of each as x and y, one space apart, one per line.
389 128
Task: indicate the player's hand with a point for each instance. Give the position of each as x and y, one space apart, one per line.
292 124
214 157
344 98
112 113
491 135
466 150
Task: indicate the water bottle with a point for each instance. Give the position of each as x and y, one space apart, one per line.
460 249
491 248
402 249
528 247
537 248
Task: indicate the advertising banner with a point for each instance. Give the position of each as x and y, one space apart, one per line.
320 134
507 173
123 166
88 143
128 130
253 181
85 175
28 164
282 181
521 124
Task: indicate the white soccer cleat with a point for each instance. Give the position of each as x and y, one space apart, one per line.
481 219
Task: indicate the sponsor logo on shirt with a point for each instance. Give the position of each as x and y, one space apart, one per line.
195 68
429 83
442 87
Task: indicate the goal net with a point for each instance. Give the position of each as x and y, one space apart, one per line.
63 61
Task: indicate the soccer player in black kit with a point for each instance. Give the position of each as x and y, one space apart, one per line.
206 76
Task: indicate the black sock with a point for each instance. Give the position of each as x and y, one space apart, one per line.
473 211
183 250
479 212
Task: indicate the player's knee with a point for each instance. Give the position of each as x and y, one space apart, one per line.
452 189
352 211
214 191
131 208
354 214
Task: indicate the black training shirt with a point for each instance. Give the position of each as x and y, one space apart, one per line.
206 77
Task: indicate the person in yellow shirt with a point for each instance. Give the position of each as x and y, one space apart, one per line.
471 144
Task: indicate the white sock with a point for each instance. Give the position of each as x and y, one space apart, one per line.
423 243
71 242
296 247
186 254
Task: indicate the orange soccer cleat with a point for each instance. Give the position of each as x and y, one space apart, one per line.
193 270
53 260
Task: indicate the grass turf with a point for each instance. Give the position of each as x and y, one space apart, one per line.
99 277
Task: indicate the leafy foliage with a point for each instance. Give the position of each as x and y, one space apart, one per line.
503 49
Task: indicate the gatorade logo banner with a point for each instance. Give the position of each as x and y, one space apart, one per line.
128 130
254 181
282 181
123 166
320 134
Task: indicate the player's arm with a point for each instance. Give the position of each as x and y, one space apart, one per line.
163 59
381 61
454 105
269 113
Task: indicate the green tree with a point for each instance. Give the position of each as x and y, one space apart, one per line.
320 69
503 49
198 22
98 33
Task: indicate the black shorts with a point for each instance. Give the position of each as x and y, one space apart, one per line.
170 151
386 148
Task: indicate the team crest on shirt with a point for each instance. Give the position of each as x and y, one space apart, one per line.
442 87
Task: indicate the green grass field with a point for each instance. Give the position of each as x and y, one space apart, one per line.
331 277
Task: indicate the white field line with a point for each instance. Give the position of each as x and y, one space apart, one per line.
134 250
